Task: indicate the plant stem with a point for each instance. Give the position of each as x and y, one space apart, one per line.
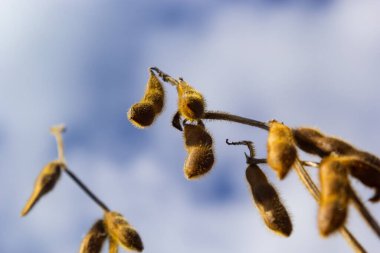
86 189
165 76
364 211
314 191
57 132
234 118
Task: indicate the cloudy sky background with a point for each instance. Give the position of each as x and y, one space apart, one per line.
83 63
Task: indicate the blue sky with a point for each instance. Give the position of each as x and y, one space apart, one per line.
84 63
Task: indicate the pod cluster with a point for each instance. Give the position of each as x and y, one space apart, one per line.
119 232
360 164
200 153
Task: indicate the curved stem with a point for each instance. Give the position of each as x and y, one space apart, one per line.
165 76
235 118
314 191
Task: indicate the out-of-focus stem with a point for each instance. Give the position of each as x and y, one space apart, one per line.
314 191
235 118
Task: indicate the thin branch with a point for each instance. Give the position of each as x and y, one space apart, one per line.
57 132
165 76
364 211
86 189
314 191
234 118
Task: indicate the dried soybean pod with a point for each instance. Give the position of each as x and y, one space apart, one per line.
198 162
314 142
196 135
268 202
141 114
94 239
191 103
44 183
334 195
154 93
280 148
119 230
365 172
368 158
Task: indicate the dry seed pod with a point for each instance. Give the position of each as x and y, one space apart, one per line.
154 93
334 195
191 103
94 239
141 114
198 162
364 172
281 149
313 141
196 135
123 233
44 183
268 202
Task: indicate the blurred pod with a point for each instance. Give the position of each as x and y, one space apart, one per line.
191 103
334 195
365 172
44 183
143 113
119 230
281 149
314 142
94 239
268 202
198 144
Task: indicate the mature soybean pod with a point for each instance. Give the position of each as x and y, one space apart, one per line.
334 195
268 202
365 172
281 149
143 113
122 232
199 146
44 183
94 239
191 103
313 141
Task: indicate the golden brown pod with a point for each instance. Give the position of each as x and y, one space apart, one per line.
154 93
198 162
268 202
196 135
313 141
94 239
141 114
365 172
119 230
334 195
191 103
280 148
44 183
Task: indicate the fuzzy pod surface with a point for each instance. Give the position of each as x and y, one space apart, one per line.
199 162
268 202
44 183
191 103
94 239
122 232
334 182
281 148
